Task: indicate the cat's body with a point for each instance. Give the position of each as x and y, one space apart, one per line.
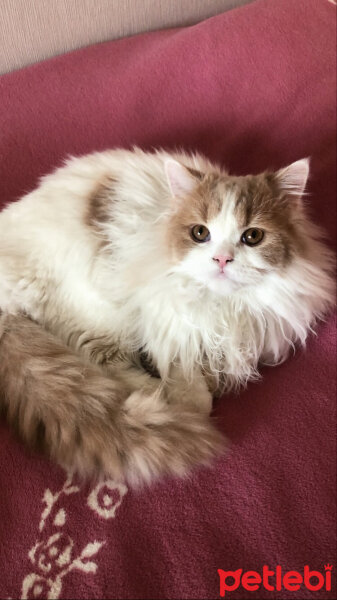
102 256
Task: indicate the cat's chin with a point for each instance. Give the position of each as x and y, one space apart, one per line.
223 286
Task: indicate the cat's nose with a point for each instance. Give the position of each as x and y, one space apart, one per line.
222 260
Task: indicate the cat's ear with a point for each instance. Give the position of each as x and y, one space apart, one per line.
292 179
181 180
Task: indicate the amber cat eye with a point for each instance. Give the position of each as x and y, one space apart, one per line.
252 236
200 233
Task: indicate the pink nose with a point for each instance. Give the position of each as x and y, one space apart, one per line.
222 260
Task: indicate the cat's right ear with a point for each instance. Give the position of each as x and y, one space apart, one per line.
181 180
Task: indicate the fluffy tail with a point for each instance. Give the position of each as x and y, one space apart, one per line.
86 421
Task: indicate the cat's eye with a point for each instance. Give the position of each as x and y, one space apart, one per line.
252 236
200 233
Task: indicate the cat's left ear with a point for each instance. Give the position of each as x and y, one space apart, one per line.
181 180
293 179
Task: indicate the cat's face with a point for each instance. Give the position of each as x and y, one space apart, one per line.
229 232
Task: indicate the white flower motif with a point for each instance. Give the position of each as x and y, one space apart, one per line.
50 499
106 497
87 566
55 553
35 586
53 558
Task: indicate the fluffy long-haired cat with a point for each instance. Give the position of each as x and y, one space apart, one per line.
123 259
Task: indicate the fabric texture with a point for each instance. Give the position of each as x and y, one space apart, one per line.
252 88
33 30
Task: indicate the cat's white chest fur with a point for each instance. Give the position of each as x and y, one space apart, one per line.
103 248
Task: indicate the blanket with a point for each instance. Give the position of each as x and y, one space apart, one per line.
252 88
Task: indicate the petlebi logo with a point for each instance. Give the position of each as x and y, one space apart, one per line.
275 579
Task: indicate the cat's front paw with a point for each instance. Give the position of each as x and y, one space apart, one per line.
199 399
202 400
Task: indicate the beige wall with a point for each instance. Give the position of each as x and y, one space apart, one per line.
31 30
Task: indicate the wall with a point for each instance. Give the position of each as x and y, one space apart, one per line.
32 30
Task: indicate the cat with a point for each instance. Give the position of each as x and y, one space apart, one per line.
124 259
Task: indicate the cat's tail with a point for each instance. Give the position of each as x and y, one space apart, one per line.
85 420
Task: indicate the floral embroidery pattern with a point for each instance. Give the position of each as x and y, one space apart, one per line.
106 498
53 556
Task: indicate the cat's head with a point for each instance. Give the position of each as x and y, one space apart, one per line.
227 232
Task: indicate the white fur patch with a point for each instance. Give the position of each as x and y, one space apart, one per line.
51 267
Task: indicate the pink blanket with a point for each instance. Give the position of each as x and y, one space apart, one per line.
252 88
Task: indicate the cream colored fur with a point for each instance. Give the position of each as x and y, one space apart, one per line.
118 281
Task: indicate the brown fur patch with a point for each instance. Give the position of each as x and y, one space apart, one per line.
260 204
103 351
196 209
99 209
85 420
